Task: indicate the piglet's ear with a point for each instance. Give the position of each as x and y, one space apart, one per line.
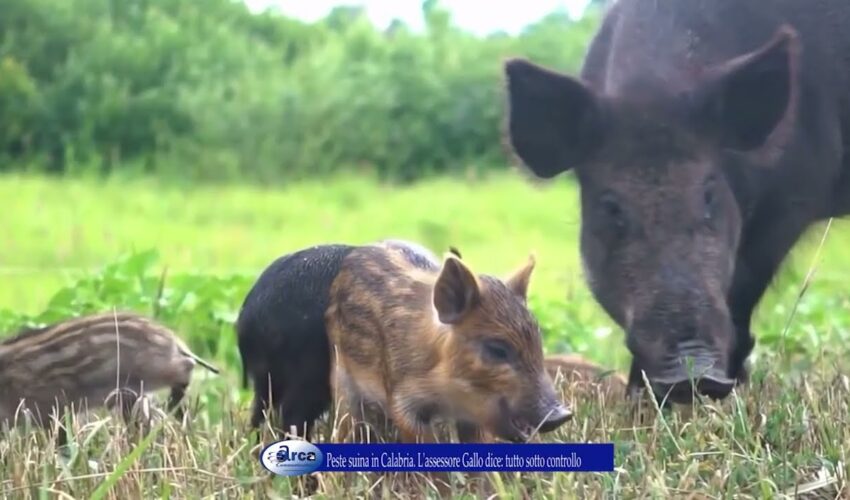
554 122
749 103
519 281
456 291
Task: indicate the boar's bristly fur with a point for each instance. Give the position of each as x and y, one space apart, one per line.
92 361
282 337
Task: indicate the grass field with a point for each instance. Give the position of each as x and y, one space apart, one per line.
75 246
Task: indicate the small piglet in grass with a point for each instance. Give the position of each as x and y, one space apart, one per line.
390 325
107 359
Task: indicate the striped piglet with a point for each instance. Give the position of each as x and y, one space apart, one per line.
88 361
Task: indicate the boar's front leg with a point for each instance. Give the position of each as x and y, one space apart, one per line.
351 420
125 400
61 432
770 237
175 400
471 433
744 346
412 411
352 424
410 431
636 384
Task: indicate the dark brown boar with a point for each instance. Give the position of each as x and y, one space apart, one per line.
706 137
92 361
418 340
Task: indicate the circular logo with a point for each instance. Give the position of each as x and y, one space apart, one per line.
292 457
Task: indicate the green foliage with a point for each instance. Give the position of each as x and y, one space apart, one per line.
202 306
207 90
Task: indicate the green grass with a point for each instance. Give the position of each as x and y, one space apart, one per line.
70 247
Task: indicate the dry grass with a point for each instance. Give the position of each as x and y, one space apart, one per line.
769 438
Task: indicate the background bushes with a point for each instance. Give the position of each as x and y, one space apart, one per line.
205 90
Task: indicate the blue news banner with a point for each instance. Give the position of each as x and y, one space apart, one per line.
548 457
297 457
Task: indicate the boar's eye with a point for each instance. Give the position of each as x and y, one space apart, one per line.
497 351
709 200
612 210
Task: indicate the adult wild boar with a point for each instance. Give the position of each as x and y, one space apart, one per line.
706 136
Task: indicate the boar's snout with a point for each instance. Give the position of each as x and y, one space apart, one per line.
685 350
550 413
538 411
558 416
713 384
691 368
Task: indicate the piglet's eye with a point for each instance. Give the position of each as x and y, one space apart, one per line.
497 351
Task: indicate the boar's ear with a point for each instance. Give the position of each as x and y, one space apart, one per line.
553 120
456 291
749 103
518 282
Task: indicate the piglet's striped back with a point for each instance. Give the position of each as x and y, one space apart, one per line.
84 359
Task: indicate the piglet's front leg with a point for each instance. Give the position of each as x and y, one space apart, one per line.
413 420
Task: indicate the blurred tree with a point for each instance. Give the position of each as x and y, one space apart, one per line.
207 90
342 17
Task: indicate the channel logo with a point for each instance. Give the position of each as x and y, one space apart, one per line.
291 457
